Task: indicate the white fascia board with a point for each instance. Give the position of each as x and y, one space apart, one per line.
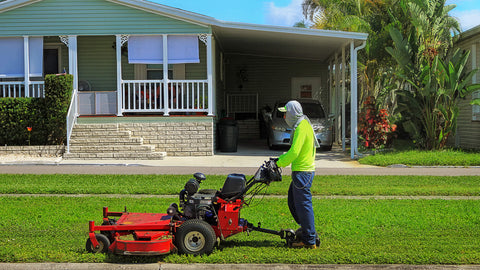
13 4
203 20
293 30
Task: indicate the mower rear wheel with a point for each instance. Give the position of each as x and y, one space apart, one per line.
103 244
195 237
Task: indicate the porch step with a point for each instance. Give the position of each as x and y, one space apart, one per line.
105 141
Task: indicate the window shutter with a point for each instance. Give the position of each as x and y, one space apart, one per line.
11 55
145 49
149 49
183 49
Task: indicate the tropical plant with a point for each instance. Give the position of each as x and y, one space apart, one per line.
429 102
369 16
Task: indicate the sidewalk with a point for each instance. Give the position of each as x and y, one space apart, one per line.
246 160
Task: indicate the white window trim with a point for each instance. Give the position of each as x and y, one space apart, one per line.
476 94
141 71
476 108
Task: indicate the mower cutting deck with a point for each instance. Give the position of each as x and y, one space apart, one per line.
207 215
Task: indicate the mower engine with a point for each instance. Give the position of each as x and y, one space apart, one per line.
203 204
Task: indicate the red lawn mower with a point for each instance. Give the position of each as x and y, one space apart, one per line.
206 215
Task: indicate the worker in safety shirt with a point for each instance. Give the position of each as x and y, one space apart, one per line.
302 157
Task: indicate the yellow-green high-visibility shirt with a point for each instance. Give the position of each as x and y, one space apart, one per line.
302 152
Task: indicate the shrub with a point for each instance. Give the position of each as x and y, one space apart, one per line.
58 92
375 129
46 116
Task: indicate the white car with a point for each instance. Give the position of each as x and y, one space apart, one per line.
278 132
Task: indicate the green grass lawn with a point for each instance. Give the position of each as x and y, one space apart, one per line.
171 184
54 229
423 158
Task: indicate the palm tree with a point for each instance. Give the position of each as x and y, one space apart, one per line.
370 16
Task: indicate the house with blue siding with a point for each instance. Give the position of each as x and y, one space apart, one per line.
152 80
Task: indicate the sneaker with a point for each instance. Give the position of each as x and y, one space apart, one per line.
303 245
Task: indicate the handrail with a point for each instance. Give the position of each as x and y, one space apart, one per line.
72 115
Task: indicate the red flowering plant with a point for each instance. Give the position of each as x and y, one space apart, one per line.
29 129
375 130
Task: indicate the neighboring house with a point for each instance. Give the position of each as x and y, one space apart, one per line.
468 125
140 62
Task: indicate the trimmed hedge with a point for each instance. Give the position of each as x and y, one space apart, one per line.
46 116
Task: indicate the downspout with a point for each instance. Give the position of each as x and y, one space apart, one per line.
343 99
354 97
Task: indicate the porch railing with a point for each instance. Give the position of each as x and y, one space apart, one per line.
150 95
72 115
16 89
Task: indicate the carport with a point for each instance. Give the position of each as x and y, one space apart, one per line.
260 63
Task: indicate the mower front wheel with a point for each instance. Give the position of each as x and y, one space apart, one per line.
195 237
103 244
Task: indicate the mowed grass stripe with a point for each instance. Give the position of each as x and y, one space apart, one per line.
54 229
358 185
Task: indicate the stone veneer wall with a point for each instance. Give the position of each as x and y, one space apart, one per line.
177 138
33 150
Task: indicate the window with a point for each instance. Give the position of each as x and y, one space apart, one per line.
476 108
155 72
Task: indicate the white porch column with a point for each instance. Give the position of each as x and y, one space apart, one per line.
26 65
72 59
337 97
166 102
354 97
210 69
118 47
344 66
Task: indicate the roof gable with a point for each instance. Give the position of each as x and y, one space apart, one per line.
89 17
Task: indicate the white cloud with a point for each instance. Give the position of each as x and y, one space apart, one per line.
467 18
284 16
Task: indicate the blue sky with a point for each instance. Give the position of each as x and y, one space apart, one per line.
287 12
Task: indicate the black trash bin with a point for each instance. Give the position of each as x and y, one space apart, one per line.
228 135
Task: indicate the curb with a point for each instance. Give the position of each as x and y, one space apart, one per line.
161 266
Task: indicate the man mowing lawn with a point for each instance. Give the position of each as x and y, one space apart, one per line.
302 157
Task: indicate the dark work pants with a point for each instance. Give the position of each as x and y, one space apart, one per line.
300 204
